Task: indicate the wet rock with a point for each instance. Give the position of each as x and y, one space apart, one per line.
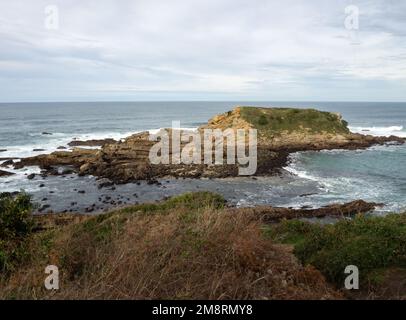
105 184
5 173
7 163
3 150
46 133
307 195
61 148
67 171
31 176
38 150
82 191
44 207
42 185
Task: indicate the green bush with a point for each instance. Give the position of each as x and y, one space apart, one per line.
263 121
16 224
370 243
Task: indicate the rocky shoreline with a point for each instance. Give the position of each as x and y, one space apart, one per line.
128 160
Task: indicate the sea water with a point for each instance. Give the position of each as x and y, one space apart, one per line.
311 179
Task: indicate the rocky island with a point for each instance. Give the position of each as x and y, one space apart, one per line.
281 131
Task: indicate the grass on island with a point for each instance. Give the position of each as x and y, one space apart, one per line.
273 121
192 247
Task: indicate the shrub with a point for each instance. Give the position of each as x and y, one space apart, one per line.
370 243
16 224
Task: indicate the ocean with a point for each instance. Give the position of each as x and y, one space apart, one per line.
311 179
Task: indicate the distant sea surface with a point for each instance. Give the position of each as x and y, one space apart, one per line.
312 178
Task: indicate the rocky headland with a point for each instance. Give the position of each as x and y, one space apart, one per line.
281 131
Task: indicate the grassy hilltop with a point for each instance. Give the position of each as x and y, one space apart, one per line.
278 120
192 247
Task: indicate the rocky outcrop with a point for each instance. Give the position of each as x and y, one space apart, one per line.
280 132
274 214
91 143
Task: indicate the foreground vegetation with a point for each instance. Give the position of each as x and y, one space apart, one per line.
192 247
376 245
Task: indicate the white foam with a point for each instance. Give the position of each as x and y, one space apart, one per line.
380 131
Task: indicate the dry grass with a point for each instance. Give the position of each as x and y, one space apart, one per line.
171 253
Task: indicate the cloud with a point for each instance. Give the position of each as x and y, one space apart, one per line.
154 50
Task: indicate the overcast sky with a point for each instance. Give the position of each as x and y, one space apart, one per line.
202 50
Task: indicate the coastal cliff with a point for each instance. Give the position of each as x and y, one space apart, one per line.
281 131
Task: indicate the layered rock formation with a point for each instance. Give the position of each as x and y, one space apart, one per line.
280 131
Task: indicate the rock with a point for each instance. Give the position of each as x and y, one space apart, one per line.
91 143
3 150
105 184
82 191
307 195
31 176
7 163
61 148
5 173
47 133
274 214
67 171
44 207
38 150
42 185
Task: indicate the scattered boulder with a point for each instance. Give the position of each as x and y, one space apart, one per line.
31 176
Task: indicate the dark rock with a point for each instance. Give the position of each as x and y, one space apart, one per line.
31 176
105 184
38 150
7 163
61 148
5 173
42 185
47 133
67 171
307 195
44 207
82 191
3 150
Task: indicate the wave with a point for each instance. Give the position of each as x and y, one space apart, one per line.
380 131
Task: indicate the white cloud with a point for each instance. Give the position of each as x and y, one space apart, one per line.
183 49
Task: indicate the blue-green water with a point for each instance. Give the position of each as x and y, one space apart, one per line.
377 174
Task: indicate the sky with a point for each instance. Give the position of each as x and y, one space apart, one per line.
251 50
